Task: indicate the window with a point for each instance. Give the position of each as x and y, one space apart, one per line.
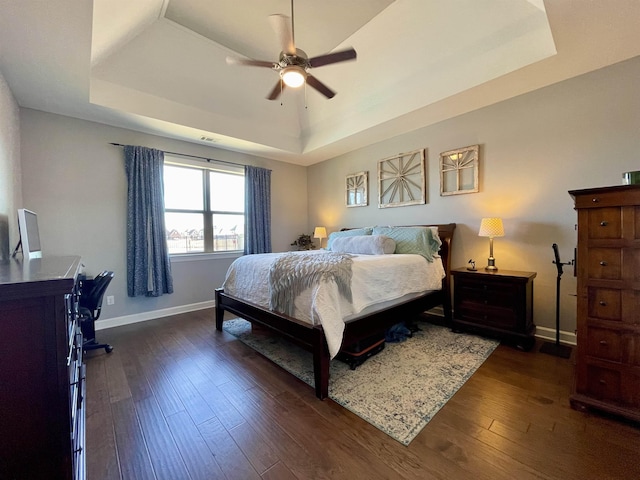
204 208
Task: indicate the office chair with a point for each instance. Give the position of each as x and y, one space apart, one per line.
89 309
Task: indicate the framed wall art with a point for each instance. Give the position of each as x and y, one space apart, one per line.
357 194
459 171
401 180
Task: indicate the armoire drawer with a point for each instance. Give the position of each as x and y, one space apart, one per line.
604 343
607 197
604 303
604 263
614 384
604 383
605 223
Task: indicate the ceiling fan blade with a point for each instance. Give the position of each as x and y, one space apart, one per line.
249 61
335 57
281 24
321 87
275 93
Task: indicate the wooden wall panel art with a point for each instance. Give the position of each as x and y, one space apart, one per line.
401 180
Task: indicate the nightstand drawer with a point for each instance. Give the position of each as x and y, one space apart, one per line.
499 294
494 316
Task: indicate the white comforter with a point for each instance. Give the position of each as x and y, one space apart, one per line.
376 279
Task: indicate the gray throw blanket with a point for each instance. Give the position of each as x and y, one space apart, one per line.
292 273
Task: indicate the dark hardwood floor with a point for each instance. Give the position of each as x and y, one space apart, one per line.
178 400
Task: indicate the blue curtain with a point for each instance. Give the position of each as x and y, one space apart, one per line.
258 210
148 265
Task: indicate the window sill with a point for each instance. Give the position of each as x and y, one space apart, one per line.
198 257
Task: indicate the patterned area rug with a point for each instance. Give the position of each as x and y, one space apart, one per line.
400 389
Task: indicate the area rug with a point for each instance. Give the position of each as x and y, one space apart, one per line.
400 389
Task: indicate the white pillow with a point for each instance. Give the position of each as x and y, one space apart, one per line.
364 245
347 233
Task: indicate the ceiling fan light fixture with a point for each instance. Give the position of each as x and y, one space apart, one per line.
293 76
293 63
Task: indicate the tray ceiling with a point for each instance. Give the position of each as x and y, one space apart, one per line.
158 66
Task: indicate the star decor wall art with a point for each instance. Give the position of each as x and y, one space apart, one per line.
401 180
459 171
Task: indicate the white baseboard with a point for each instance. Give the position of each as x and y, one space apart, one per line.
543 333
143 317
549 334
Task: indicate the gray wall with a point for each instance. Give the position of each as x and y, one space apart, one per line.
580 133
584 132
10 176
75 180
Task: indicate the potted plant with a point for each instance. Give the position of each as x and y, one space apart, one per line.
303 242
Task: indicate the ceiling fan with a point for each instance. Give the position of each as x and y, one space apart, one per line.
293 64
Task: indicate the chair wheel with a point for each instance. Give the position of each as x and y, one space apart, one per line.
108 349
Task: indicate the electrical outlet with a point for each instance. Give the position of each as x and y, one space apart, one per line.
110 300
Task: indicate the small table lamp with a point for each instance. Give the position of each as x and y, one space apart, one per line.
491 227
320 232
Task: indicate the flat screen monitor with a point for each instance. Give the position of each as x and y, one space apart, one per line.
29 234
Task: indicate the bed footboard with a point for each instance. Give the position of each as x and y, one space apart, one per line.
307 336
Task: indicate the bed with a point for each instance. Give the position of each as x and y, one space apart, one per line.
361 324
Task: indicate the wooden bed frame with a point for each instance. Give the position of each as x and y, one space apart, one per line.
312 338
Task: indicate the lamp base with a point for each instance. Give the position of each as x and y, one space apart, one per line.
491 266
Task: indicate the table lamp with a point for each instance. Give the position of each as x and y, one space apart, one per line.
491 227
320 232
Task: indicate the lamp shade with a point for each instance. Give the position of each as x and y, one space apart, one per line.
320 232
491 227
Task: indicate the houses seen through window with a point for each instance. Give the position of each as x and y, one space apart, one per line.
204 208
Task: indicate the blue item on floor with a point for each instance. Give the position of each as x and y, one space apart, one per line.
397 333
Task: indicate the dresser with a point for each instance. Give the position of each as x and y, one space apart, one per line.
608 316
42 419
495 303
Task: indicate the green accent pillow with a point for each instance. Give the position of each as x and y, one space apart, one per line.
354 232
416 240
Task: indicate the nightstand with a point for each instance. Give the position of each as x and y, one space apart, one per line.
497 304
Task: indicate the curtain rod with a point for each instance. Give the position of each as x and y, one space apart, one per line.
192 156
